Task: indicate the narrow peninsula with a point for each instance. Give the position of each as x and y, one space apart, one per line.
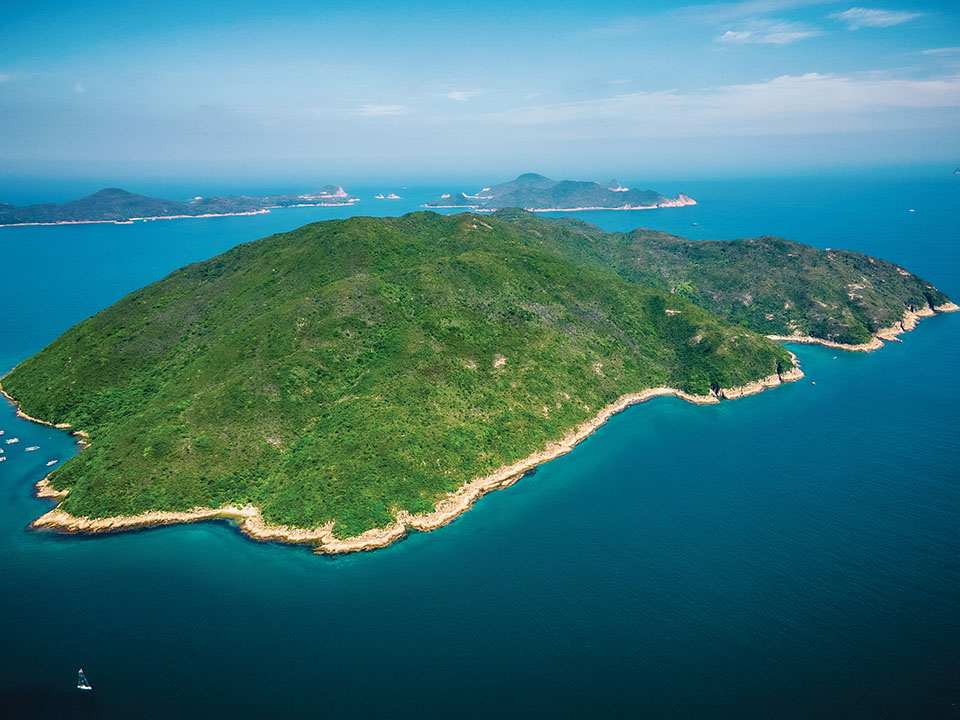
347 382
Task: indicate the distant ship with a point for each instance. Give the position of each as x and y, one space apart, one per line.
82 683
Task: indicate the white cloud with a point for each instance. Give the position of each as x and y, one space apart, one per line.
726 12
789 104
463 95
857 17
380 110
941 51
768 32
5 77
79 89
710 14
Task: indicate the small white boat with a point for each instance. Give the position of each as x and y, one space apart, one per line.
52 462
82 683
31 448
3 459
11 441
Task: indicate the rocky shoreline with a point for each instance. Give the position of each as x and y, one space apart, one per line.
887 334
250 521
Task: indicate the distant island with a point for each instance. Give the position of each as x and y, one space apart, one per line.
541 194
352 380
119 206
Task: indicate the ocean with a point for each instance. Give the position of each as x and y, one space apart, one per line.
793 554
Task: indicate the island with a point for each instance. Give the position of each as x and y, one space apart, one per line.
537 193
119 206
353 380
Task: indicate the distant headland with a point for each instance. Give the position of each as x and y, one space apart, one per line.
119 206
537 193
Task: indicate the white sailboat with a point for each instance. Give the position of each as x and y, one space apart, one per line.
82 683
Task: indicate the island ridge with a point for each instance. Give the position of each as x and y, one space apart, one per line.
534 192
119 206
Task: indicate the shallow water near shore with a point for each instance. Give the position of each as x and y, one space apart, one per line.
789 554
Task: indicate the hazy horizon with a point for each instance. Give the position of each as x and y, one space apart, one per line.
228 90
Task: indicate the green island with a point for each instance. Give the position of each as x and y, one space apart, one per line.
119 206
352 370
536 192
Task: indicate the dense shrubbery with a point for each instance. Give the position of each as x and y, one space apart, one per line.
354 368
768 284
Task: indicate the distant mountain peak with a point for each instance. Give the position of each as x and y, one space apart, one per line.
533 178
532 191
114 204
112 192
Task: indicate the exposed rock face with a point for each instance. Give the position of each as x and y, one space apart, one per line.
888 334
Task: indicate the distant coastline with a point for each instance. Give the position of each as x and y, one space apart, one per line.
536 193
250 520
479 209
131 221
113 205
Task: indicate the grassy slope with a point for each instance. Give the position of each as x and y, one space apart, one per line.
348 369
770 285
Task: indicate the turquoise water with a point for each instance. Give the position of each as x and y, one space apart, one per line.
791 554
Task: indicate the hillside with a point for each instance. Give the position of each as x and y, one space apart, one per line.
354 368
536 192
116 205
767 284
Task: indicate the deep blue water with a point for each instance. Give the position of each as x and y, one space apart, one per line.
793 554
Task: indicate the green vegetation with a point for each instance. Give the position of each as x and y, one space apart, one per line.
536 192
770 285
114 204
354 368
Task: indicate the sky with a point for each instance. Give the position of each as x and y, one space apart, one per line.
416 91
